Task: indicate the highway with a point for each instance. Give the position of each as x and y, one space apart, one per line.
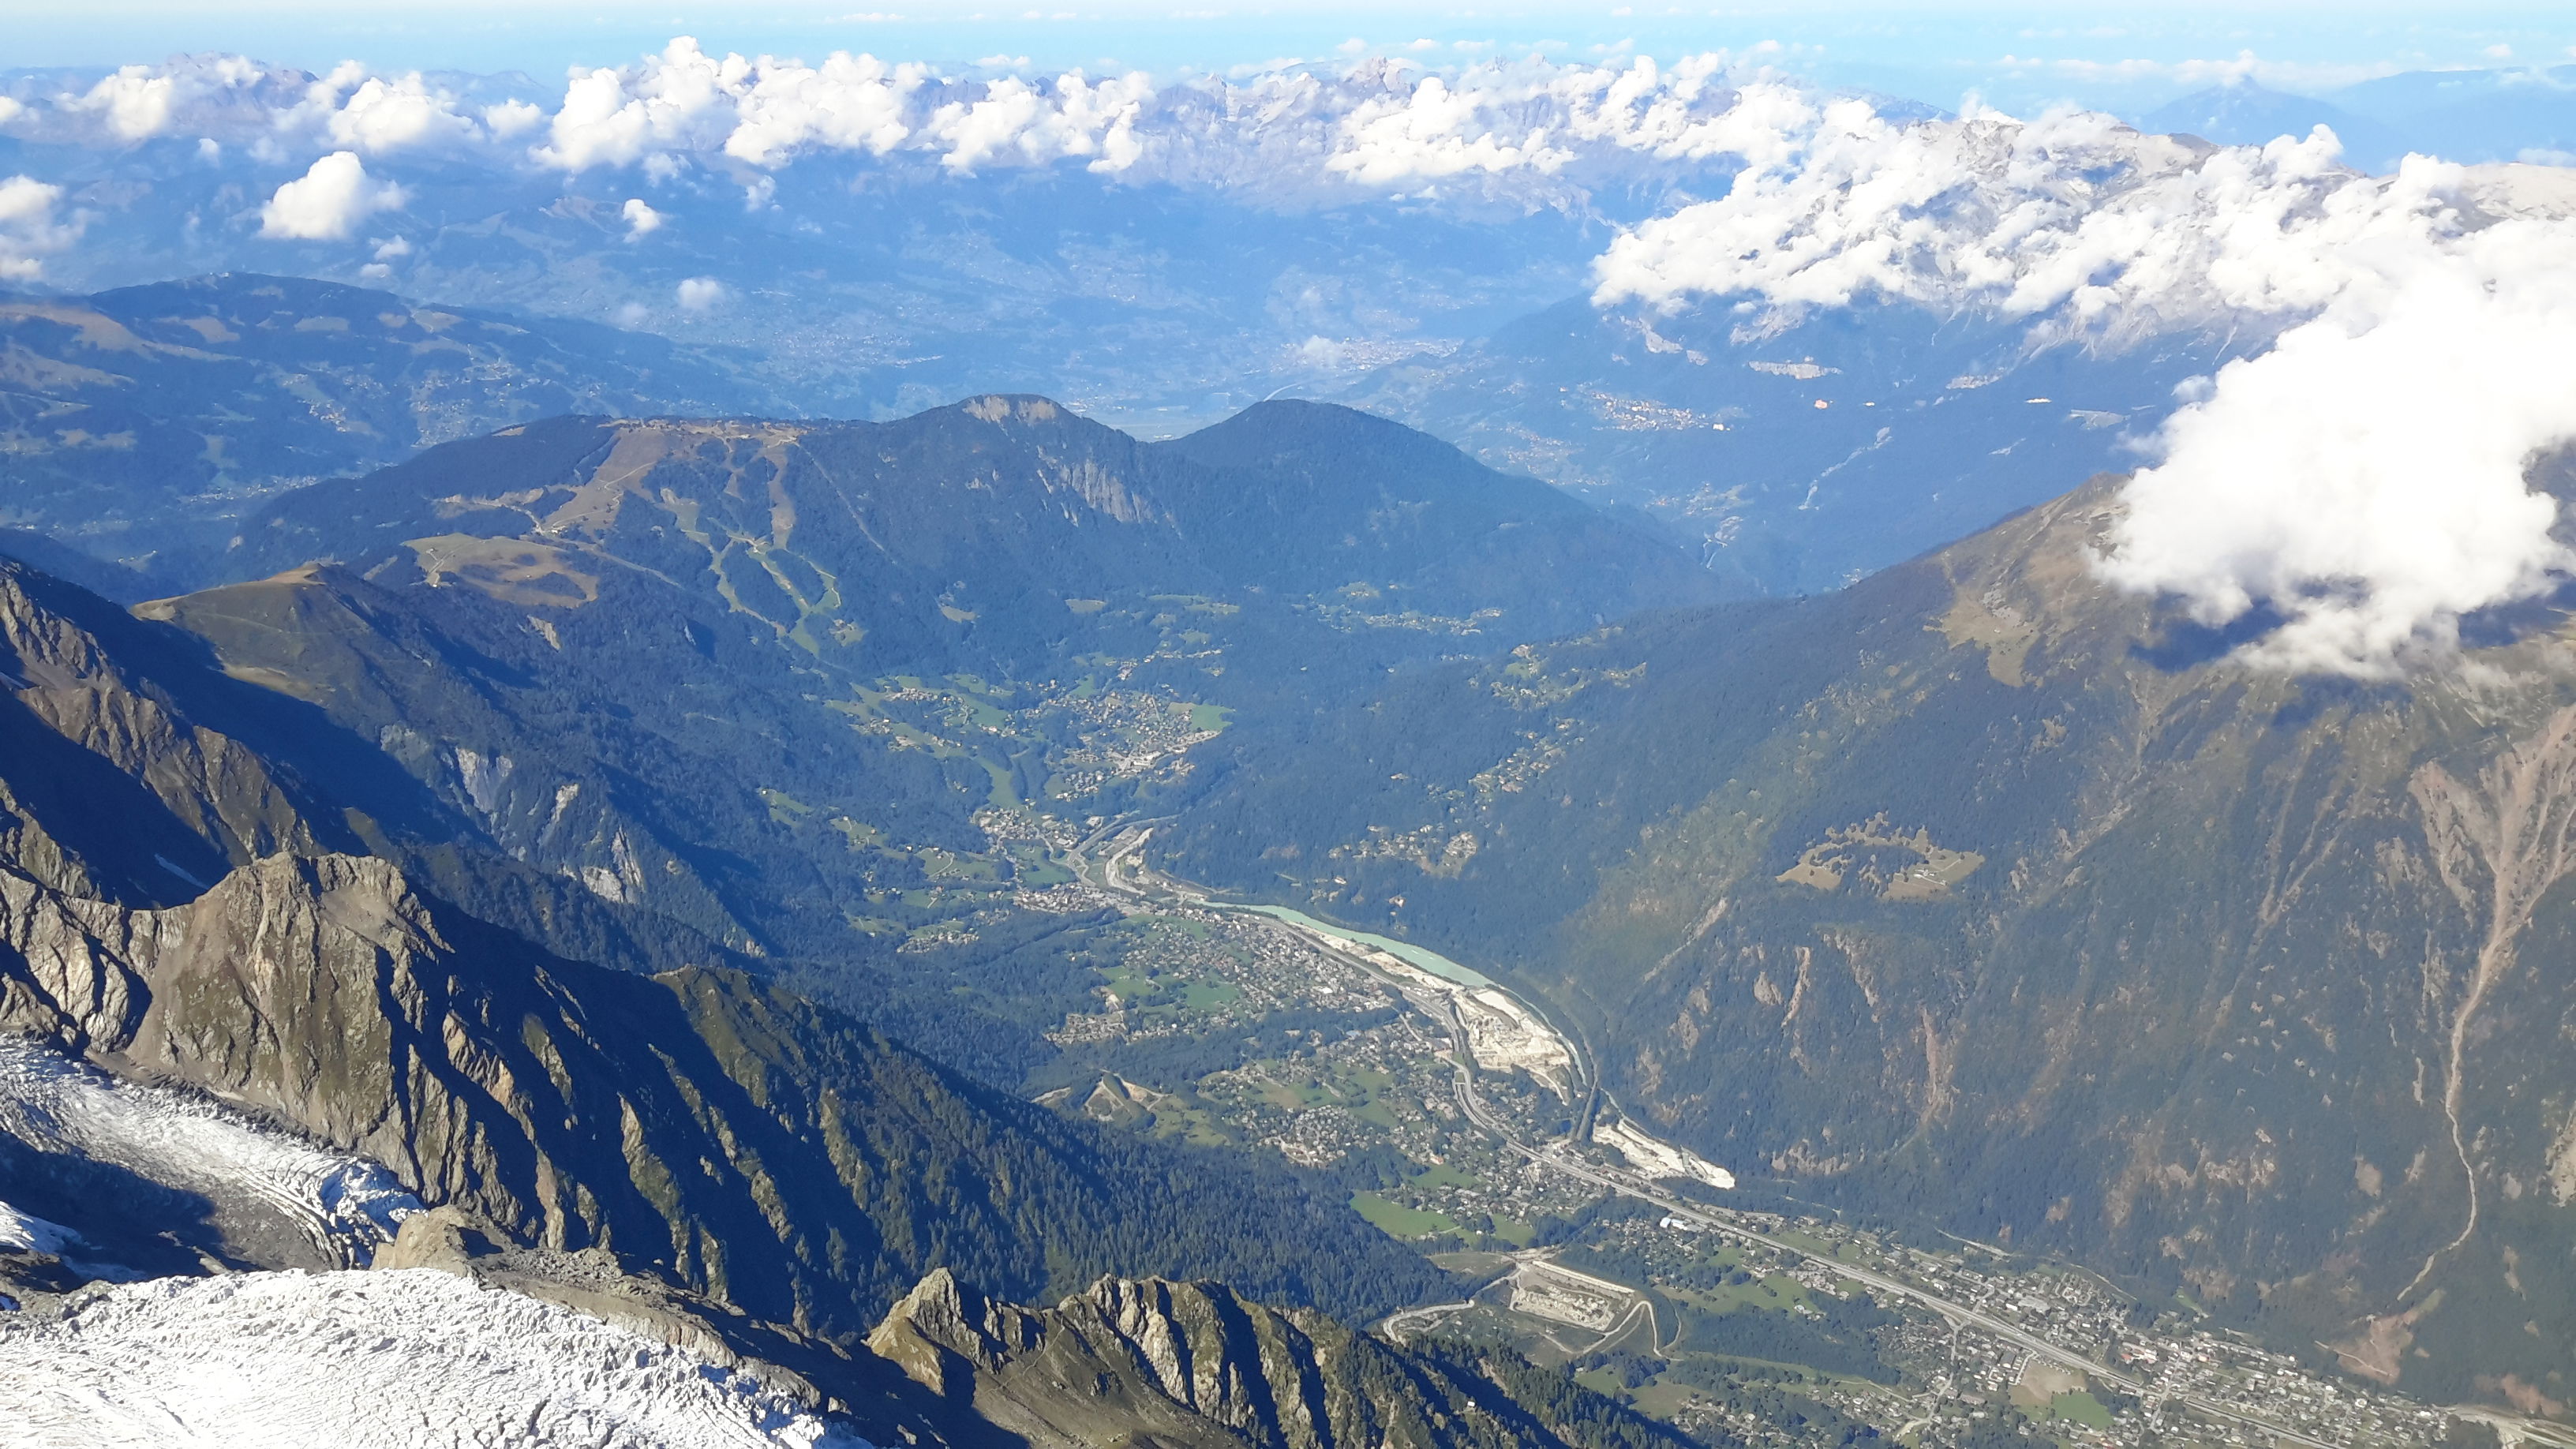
1147 885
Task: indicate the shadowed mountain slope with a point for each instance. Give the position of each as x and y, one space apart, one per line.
747 1144
1983 890
1193 1364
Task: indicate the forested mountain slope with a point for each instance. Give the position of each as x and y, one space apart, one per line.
643 690
995 531
1985 890
186 900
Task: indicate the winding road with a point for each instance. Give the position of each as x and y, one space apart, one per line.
1126 841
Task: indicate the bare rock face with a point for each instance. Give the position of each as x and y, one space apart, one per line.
1151 1361
117 730
65 972
314 991
182 906
570 1106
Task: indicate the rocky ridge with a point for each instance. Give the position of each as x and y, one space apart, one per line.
1193 1364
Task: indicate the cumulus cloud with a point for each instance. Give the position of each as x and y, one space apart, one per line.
2362 476
1432 132
2365 478
383 116
31 227
699 294
512 118
219 93
1018 121
640 218
328 201
2074 215
388 251
135 103
1383 123
849 103
756 111
1537 116
613 117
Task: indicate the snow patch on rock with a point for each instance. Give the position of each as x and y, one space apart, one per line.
20 1233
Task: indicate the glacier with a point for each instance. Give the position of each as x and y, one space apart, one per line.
261 1181
403 1359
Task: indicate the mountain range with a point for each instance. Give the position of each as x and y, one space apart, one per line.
693 1154
442 850
663 846
144 423
1986 888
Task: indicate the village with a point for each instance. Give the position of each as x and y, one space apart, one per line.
1423 1093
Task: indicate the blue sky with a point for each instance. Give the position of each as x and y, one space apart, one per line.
2120 58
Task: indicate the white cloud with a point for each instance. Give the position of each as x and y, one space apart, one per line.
2362 476
679 101
193 93
756 111
381 116
135 103
1286 129
2073 218
699 294
1433 132
328 201
11 109
512 118
2365 477
851 103
1015 121
1540 118
641 219
30 227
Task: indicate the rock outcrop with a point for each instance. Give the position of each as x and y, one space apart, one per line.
1195 1366
703 1125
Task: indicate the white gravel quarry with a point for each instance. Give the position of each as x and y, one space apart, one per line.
411 1359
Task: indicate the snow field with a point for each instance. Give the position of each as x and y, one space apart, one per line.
412 1359
346 1206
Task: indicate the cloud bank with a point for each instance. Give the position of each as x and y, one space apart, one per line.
1375 125
2360 472
2115 233
2362 477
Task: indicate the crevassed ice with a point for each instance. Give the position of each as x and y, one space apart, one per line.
414 1359
347 1206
